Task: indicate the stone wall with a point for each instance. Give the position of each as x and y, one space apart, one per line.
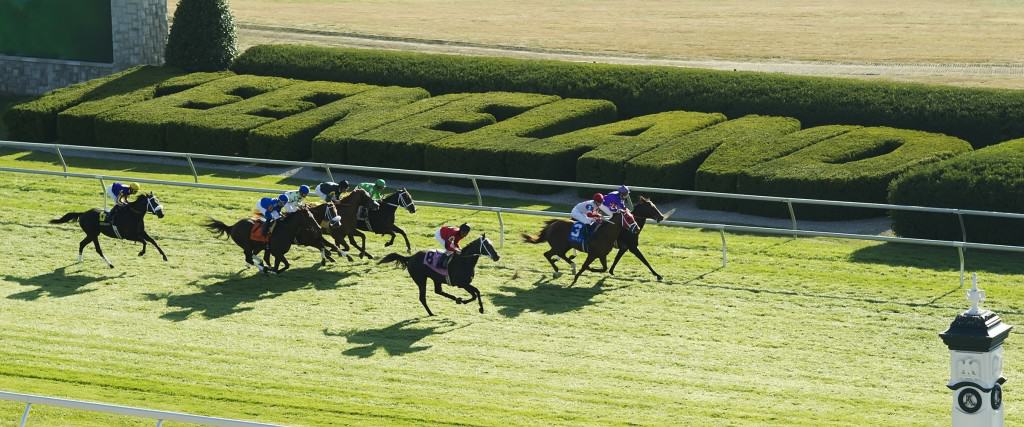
139 35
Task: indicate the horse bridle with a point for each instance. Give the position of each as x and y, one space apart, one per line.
484 250
401 201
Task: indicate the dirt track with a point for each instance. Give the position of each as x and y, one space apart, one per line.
972 74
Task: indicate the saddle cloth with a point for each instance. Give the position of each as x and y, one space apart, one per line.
256 232
433 259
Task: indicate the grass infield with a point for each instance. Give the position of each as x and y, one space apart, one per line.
792 332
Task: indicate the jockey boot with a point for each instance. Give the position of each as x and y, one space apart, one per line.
362 214
446 259
266 228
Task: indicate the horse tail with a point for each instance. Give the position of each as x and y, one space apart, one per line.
395 258
68 217
542 236
218 228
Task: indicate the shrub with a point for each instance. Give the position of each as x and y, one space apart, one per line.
990 179
167 123
401 143
719 172
202 36
674 164
982 116
291 138
75 125
36 120
182 83
497 149
855 166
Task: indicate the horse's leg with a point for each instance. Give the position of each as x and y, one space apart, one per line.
396 229
96 244
362 241
390 241
618 256
81 247
586 264
438 290
572 264
476 296
636 251
549 256
145 238
422 284
604 265
331 246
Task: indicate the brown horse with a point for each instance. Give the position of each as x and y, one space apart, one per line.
348 208
631 242
129 221
556 233
297 227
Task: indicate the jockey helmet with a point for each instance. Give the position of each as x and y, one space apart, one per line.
623 189
303 190
267 202
598 197
343 184
134 187
464 228
282 198
380 184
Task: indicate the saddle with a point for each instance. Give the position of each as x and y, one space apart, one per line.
434 259
256 232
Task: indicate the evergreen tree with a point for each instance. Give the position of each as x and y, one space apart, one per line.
202 36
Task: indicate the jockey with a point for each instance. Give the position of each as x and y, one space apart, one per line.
119 192
295 198
375 189
270 209
617 200
591 212
449 238
331 191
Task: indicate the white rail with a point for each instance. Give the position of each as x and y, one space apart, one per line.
722 228
159 416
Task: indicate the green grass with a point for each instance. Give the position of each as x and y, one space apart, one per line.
792 332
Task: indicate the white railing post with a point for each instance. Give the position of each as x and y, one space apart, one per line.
479 197
191 165
792 216
24 416
963 228
501 231
103 192
159 423
960 250
725 255
62 162
330 176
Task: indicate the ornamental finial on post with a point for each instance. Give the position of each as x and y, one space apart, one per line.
975 296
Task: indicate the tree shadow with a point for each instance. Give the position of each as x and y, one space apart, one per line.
938 259
546 297
55 284
396 340
227 296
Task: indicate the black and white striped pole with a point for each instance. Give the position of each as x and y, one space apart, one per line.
975 341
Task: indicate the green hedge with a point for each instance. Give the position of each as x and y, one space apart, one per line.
184 122
402 143
982 116
674 164
76 125
188 81
856 166
990 179
497 149
36 120
720 171
291 138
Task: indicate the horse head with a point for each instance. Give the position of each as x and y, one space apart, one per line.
482 247
647 210
405 200
148 203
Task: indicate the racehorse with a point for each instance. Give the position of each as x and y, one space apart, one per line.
130 225
348 208
382 221
460 271
556 233
298 227
631 242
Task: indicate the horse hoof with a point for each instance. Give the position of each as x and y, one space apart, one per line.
388 244
481 311
141 253
111 265
659 278
165 259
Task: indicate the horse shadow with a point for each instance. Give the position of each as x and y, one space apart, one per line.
395 340
546 297
229 295
55 284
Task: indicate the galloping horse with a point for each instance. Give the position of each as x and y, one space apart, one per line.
348 208
460 271
129 222
631 242
298 227
382 221
556 233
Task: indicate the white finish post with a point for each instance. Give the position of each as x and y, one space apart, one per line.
975 341
24 416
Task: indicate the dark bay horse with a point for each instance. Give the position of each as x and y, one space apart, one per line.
129 220
297 227
556 233
382 221
347 208
460 271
